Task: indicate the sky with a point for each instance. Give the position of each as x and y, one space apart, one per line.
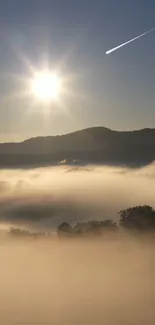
115 91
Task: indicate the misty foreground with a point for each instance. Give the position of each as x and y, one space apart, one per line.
77 282
74 281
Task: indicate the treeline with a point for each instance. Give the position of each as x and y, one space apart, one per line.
139 218
86 228
17 232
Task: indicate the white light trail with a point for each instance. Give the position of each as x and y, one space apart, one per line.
131 40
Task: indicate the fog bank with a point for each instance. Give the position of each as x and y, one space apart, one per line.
43 198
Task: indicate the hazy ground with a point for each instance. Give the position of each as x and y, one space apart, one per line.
77 283
43 198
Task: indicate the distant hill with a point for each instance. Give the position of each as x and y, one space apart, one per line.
96 145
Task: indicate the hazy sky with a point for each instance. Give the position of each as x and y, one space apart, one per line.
115 91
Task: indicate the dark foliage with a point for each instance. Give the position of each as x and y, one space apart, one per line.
87 228
138 218
64 229
20 233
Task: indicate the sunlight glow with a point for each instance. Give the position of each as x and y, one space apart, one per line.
46 86
43 89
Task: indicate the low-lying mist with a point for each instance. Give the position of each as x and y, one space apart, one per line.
43 198
77 282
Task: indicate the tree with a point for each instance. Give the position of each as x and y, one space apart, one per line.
64 229
87 228
19 232
139 218
99 227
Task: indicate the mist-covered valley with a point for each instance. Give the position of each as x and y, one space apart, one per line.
72 282
43 198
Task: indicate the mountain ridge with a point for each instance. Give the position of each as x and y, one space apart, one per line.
78 131
91 145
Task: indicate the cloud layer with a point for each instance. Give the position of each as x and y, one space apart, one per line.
45 197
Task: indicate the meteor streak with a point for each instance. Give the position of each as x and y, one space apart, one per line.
131 40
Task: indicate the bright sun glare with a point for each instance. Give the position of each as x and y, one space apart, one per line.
46 86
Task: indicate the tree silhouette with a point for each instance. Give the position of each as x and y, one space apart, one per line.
17 232
87 228
64 229
138 218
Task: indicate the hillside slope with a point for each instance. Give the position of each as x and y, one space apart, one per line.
92 145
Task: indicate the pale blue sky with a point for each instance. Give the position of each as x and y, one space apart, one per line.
116 91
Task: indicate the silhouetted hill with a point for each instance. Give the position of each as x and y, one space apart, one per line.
93 145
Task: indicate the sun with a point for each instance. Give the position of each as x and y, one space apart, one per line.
46 86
